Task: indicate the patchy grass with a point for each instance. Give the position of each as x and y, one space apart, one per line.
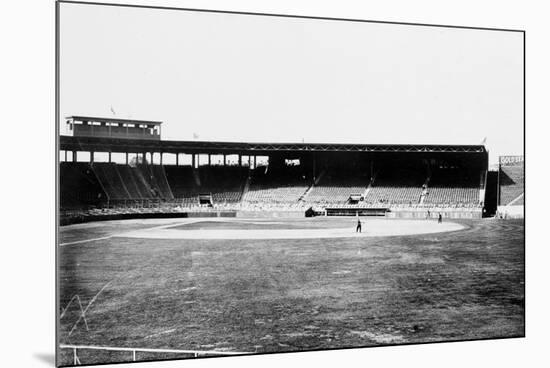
288 295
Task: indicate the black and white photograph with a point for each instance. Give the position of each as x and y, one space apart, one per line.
239 183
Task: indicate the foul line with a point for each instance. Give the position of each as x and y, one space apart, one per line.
122 234
85 241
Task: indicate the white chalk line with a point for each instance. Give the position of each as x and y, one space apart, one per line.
147 350
82 313
88 306
121 235
160 333
186 289
85 240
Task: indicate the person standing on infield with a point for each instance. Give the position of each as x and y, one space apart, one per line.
358 228
439 218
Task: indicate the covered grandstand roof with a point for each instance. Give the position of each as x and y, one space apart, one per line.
98 144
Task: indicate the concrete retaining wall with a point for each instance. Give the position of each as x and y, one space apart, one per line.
445 213
510 212
271 214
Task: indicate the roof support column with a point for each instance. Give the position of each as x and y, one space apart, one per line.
109 156
254 161
193 160
209 160
314 168
371 169
161 157
126 158
240 160
177 159
91 157
74 156
224 159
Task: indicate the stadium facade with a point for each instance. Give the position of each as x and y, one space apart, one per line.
270 179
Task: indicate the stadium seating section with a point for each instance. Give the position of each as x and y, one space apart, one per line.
336 188
449 186
124 182
79 185
396 186
224 184
511 179
148 187
280 188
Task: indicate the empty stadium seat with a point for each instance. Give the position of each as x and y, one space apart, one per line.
280 188
336 187
453 187
396 186
224 183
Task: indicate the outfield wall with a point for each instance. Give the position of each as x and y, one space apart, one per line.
77 219
409 213
512 212
434 213
271 214
69 220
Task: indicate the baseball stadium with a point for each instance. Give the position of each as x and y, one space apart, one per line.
181 249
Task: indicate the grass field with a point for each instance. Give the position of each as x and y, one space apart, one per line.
278 295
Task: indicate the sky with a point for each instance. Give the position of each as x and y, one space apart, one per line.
245 78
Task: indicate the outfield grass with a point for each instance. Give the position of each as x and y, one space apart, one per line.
288 295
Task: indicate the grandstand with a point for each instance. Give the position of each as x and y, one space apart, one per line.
511 186
451 186
511 182
278 186
335 186
395 180
397 185
79 186
224 184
